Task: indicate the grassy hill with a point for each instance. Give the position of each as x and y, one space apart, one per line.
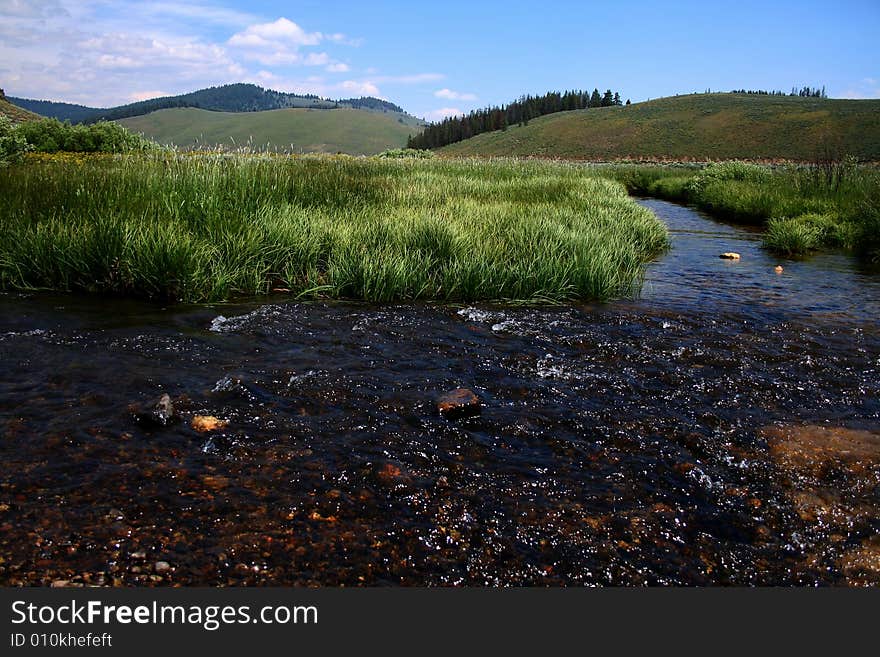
17 114
698 126
352 131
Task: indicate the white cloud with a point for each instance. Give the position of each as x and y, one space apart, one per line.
356 88
31 8
108 52
443 113
416 78
197 12
454 95
147 95
280 42
282 32
317 59
865 88
344 40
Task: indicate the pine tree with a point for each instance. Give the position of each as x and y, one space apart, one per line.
595 98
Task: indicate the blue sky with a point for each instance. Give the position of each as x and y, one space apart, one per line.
434 58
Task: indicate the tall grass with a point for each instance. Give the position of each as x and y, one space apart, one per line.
803 211
202 228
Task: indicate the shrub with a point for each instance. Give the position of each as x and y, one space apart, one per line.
407 153
742 171
51 136
12 143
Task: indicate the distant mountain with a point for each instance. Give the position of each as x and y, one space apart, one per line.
226 98
697 126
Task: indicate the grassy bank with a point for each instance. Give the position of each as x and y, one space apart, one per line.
804 208
200 228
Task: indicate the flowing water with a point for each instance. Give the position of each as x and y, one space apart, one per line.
721 429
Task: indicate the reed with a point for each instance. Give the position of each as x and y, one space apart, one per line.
211 227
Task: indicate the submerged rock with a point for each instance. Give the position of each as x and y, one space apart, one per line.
730 255
811 450
392 475
830 479
861 565
203 423
458 403
159 413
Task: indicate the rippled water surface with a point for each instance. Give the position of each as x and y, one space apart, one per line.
700 434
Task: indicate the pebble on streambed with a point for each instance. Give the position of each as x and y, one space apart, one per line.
458 403
205 423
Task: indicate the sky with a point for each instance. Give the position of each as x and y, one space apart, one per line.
435 59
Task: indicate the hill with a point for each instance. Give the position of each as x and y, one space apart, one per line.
352 131
226 98
698 126
61 111
15 113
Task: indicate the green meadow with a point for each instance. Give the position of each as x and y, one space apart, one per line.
212 227
344 130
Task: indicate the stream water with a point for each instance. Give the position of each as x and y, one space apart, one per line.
720 429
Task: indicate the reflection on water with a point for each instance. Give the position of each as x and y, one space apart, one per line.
628 443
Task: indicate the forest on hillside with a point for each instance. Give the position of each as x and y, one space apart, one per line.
225 98
458 128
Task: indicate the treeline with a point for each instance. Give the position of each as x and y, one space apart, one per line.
803 92
225 98
458 128
370 103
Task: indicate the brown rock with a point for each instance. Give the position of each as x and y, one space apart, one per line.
730 255
204 423
778 269
458 403
392 475
812 449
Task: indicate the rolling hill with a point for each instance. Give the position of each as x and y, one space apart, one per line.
352 131
239 97
698 127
